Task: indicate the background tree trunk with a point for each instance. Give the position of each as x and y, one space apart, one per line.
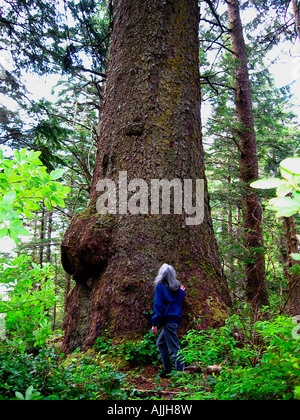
151 128
42 236
255 277
296 10
292 266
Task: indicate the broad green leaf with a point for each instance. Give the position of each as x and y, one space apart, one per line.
10 196
14 236
58 173
282 202
32 206
19 395
23 154
3 182
55 200
48 204
6 212
5 208
285 212
284 206
18 227
62 191
28 392
284 189
54 186
265 184
17 155
296 196
291 165
33 157
27 213
297 393
7 164
3 232
295 257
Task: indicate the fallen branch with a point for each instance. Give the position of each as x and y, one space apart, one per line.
145 391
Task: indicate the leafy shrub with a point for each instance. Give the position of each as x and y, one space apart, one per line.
47 376
230 344
94 379
27 322
20 370
141 352
103 344
283 204
266 367
30 394
24 185
287 200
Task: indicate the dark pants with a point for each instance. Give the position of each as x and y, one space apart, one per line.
168 344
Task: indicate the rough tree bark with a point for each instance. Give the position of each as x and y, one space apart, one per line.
150 128
296 11
255 278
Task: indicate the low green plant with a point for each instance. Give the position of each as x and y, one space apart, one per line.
232 343
24 185
30 295
255 361
135 352
287 200
95 379
142 352
259 363
47 375
103 344
30 394
21 370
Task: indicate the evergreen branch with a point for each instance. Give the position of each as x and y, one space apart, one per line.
216 16
213 84
97 73
209 83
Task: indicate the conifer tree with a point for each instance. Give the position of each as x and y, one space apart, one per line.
150 128
255 276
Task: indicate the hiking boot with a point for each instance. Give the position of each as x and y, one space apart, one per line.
164 373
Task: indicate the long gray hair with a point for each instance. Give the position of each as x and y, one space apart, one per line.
167 276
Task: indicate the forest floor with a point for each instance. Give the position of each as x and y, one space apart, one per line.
144 382
221 365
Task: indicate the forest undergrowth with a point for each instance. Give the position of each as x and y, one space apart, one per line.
48 150
243 360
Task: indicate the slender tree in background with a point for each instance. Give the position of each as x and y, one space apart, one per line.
255 276
151 129
296 10
292 266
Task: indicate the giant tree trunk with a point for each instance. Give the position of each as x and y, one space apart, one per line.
255 278
151 129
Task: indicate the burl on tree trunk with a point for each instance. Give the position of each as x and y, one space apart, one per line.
151 129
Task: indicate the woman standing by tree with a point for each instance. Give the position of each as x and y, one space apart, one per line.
168 296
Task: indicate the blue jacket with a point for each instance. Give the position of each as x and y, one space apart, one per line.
167 305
